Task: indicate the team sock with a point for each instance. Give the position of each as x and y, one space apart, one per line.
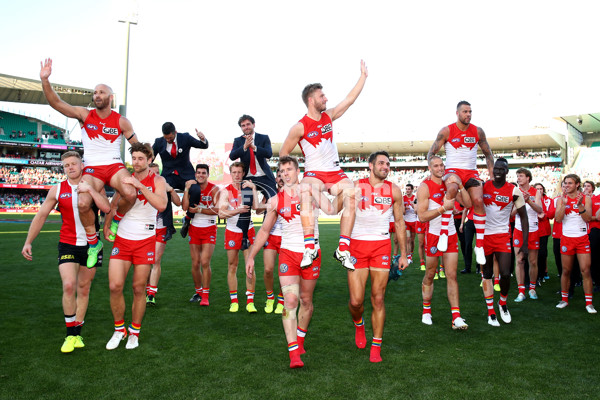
376 342
455 313
280 298
205 292
270 295
151 290
564 296
531 285
489 302
249 296
496 280
521 289
588 299
78 326
479 222
309 241
199 291
70 323
344 243
120 326
92 239
233 296
292 346
134 329
427 307
502 301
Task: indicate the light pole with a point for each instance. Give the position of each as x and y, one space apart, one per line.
129 20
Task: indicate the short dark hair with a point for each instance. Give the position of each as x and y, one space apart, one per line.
153 164
575 178
142 148
244 118
168 128
70 154
410 185
309 90
462 103
525 172
543 187
288 159
375 154
203 166
237 164
591 183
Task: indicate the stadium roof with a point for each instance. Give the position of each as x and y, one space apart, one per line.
548 140
23 90
584 123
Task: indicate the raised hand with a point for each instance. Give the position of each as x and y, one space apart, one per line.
200 135
363 69
46 68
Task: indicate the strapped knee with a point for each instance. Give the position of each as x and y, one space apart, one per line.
290 313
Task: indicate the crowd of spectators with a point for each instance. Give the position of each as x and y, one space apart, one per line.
31 175
27 199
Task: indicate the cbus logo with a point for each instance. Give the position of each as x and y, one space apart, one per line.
326 129
91 127
110 131
470 140
312 134
383 200
502 199
65 195
206 198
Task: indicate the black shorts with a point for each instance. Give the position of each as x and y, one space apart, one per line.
67 253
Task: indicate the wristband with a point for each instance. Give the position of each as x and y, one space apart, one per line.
582 212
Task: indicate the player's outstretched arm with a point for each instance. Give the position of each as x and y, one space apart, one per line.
291 140
400 225
38 222
440 140
487 151
341 108
79 113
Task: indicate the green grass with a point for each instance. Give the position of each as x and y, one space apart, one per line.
188 352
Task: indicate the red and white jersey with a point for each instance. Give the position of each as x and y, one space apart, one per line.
235 201
71 231
498 204
461 147
436 200
572 224
410 215
532 216
595 208
206 200
317 145
373 210
140 221
292 234
101 139
276 229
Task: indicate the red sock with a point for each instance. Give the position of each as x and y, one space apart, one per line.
455 313
521 289
344 243
92 239
588 299
564 296
479 222
489 302
309 241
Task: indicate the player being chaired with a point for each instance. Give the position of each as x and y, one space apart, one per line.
314 134
460 141
101 134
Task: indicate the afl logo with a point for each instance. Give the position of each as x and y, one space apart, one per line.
437 195
433 250
115 251
283 268
487 196
150 254
456 140
65 195
91 127
89 170
310 174
312 134
231 243
563 249
385 258
364 198
284 210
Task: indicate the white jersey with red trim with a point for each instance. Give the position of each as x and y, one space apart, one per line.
498 204
101 139
206 200
292 233
572 224
71 231
410 215
140 221
317 144
461 147
532 216
276 229
437 193
373 210
234 202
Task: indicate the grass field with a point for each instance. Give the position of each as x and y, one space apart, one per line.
189 352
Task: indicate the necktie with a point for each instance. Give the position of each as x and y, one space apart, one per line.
252 161
173 150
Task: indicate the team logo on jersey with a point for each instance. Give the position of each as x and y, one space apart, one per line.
283 268
563 248
385 258
517 242
110 131
326 129
284 210
150 254
364 198
89 170
115 251
353 260
206 198
437 195
231 243
455 140
382 200
65 195
310 174
502 199
312 134
315 268
470 140
433 250
91 127
487 196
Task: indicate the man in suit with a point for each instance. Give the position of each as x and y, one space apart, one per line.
174 150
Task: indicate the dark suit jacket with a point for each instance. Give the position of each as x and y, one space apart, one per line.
181 163
263 153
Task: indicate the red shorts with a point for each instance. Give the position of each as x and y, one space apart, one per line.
139 252
233 240
574 245
421 227
497 243
371 253
464 174
392 227
411 226
160 235
289 265
103 172
533 239
327 177
431 242
273 243
207 234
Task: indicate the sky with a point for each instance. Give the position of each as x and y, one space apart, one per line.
202 64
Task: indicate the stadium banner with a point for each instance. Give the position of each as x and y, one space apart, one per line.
46 162
29 210
21 186
5 160
54 146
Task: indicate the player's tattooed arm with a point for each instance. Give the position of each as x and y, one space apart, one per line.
439 142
